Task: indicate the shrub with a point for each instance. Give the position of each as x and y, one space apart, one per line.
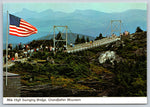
80 87
61 81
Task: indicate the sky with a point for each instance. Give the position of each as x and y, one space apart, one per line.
70 7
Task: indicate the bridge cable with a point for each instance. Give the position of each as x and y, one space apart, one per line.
47 36
107 29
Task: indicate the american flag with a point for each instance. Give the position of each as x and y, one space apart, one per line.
19 27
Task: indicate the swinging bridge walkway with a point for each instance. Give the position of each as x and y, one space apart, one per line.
88 45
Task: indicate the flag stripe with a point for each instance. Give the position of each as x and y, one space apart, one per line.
24 23
17 28
20 35
17 31
26 27
21 32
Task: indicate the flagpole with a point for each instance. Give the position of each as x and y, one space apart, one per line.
7 49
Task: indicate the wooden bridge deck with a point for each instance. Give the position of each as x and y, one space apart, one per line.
85 46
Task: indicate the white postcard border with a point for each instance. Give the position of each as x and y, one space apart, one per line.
75 100
129 100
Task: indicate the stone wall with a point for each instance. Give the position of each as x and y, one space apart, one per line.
13 86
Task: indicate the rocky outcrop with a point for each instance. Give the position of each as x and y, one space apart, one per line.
109 55
140 52
54 91
97 89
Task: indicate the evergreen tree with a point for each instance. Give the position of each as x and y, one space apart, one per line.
59 43
16 47
100 36
77 40
58 37
51 42
87 39
82 39
138 29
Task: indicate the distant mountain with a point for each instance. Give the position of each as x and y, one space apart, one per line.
85 22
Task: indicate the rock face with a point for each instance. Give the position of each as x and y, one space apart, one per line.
54 91
108 55
98 89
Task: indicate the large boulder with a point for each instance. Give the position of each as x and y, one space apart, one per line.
109 55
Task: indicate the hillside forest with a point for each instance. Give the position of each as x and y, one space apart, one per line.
85 73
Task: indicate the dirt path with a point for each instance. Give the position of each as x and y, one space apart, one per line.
10 63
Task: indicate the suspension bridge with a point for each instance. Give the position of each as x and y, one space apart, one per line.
88 45
115 28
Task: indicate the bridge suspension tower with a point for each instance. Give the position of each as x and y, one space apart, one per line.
65 29
115 27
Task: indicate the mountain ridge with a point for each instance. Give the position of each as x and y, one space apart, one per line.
85 22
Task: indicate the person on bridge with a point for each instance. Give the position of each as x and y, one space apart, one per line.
70 44
12 59
34 49
90 42
8 57
16 55
64 48
50 48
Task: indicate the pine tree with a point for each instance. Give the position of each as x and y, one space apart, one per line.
77 40
100 36
87 39
82 39
138 29
59 37
51 42
16 47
